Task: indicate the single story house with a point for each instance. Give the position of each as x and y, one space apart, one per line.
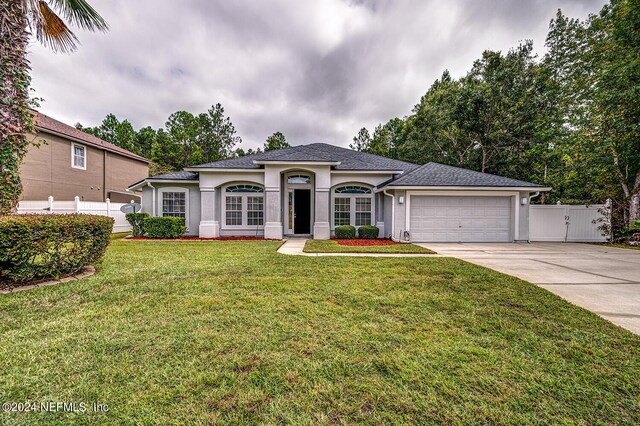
308 190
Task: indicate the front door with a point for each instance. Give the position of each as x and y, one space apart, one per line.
302 211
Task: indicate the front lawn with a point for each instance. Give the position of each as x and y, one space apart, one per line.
333 246
232 332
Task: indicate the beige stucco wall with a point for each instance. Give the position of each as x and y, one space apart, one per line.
47 170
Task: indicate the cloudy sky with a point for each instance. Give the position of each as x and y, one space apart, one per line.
317 70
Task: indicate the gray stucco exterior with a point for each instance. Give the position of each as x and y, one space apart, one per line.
225 197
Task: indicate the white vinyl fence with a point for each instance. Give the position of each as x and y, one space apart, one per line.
566 223
87 207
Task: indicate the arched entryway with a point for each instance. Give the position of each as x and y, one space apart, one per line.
298 202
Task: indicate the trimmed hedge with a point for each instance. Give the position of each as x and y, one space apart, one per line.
345 231
36 247
137 223
164 227
368 232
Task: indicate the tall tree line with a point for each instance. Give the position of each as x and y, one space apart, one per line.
185 140
569 120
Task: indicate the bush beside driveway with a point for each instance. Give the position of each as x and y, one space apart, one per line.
232 332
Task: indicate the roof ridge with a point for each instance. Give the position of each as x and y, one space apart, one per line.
42 120
438 174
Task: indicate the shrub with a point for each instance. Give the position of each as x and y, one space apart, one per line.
137 223
368 231
345 231
164 227
36 247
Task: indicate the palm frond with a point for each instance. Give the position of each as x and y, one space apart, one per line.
81 14
51 30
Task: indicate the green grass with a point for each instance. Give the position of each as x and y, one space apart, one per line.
624 246
232 332
332 246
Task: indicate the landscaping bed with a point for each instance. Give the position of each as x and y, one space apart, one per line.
361 245
231 333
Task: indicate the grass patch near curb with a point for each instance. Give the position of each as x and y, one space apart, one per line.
233 332
622 246
332 246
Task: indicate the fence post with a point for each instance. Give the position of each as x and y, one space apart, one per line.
50 199
108 207
76 204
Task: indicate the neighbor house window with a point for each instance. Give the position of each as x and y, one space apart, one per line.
78 156
352 205
243 206
174 204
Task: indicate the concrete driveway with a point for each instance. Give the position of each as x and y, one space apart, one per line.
601 279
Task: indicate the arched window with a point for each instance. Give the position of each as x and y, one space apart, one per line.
299 179
352 205
244 188
353 189
243 206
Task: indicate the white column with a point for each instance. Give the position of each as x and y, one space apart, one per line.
209 226
321 226
273 210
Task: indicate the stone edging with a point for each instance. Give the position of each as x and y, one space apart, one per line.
87 271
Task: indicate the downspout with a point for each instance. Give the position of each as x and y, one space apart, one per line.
153 199
531 197
393 211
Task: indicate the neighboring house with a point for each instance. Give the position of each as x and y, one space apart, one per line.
310 189
70 163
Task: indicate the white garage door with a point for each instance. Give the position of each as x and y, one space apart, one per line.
460 219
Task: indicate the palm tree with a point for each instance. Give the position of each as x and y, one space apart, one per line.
19 19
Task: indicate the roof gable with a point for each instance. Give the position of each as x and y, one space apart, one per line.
436 174
316 152
47 124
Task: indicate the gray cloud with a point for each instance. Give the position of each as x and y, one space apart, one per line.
317 71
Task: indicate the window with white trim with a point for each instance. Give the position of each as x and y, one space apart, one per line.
174 204
299 179
342 213
234 210
78 156
352 205
243 206
255 211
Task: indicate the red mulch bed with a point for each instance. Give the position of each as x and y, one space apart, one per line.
189 238
362 242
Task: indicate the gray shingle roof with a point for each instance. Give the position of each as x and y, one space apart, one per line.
182 175
316 152
435 174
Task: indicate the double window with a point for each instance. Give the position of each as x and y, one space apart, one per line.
174 204
243 206
78 156
352 205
